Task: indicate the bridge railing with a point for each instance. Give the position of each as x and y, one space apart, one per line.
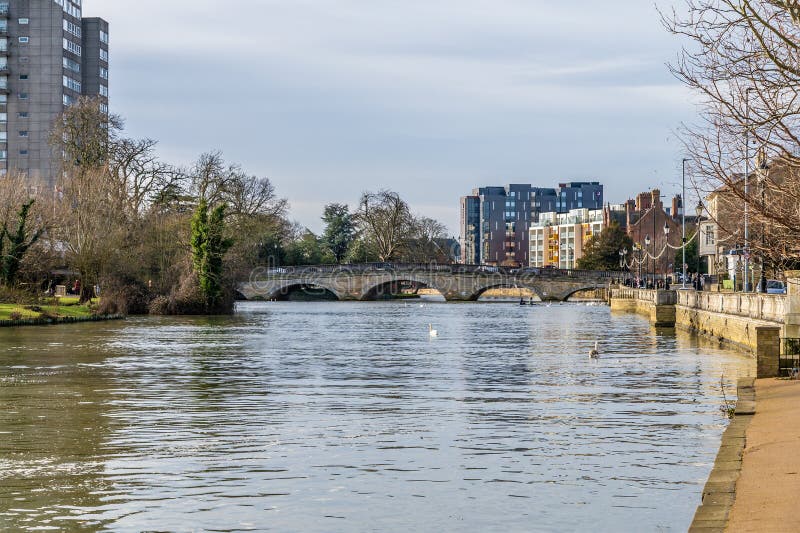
367 268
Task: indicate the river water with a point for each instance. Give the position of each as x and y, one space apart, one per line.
328 417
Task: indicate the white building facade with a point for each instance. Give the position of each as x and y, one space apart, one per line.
558 239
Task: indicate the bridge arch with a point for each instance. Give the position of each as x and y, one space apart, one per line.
478 292
383 285
573 292
314 290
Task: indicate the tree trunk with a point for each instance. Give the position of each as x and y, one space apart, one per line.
87 293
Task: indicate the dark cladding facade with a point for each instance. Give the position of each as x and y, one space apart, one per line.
495 220
50 56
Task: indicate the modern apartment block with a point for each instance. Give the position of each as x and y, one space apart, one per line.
49 56
558 239
495 221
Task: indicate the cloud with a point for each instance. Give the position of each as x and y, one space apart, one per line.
431 98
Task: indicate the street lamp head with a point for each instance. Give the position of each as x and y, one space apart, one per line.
700 208
666 228
647 240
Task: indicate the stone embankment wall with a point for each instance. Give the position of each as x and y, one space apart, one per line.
754 322
729 317
658 306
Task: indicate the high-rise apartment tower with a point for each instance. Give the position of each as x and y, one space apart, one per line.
49 56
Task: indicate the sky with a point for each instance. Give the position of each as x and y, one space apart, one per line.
430 98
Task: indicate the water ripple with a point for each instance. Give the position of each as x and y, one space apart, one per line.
348 417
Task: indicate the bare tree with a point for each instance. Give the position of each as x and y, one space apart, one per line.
384 220
210 178
140 176
83 134
90 225
743 59
427 241
251 196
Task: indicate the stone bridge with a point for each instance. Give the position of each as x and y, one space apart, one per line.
374 281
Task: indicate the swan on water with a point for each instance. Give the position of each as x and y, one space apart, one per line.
595 352
432 332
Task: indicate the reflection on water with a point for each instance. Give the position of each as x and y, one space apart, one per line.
348 417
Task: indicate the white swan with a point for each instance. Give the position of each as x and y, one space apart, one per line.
595 352
432 332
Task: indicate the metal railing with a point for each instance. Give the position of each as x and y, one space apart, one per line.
367 268
789 359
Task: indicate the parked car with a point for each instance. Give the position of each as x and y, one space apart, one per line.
775 287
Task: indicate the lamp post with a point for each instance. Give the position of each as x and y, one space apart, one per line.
655 238
762 178
746 197
699 210
666 241
623 264
647 246
638 248
683 222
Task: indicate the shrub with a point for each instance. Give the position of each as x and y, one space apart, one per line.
124 296
159 306
187 298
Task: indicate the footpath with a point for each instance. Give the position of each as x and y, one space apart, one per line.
755 483
768 487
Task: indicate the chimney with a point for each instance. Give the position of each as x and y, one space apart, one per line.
656 197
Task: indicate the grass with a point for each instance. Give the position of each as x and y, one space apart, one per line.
66 308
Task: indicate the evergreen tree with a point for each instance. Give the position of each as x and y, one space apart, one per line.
691 258
18 245
602 251
339 230
209 246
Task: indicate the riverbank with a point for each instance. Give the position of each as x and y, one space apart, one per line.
766 493
63 311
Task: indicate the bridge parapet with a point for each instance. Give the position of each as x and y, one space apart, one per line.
454 282
365 268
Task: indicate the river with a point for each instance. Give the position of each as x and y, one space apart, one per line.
324 417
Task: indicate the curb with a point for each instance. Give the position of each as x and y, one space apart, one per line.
719 492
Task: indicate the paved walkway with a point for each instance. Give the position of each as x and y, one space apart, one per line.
768 490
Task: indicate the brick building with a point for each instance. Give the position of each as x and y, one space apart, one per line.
645 217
